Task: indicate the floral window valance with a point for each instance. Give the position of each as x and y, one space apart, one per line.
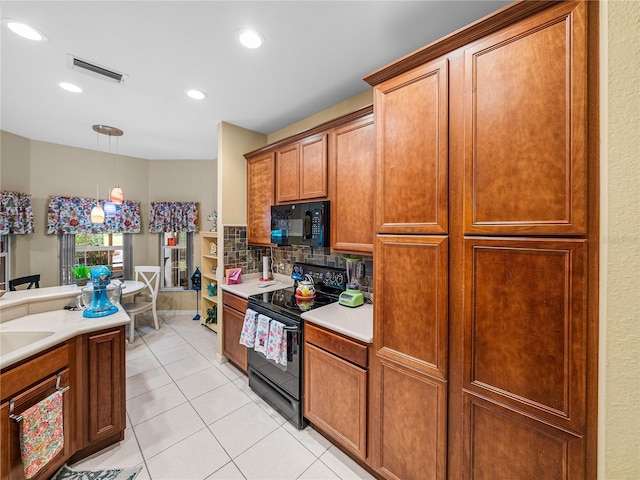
173 217
73 215
16 214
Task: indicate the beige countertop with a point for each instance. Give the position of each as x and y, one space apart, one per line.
251 285
353 322
356 322
62 324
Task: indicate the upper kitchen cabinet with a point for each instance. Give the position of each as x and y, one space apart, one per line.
412 151
301 170
352 185
260 194
525 90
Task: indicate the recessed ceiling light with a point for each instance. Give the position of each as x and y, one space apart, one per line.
70 87
24 30
250 38
196 94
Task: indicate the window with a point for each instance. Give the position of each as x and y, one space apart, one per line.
111 249
176 259
4 262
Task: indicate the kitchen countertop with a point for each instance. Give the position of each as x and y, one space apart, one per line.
353 322
249 285
64 324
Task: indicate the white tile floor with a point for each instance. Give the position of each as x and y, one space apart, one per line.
189 417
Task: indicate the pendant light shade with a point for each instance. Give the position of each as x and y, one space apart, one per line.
116 195
97 214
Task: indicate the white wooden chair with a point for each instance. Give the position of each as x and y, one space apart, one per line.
150 276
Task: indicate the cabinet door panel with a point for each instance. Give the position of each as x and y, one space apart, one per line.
525 325
411 424
313 167
525 131
352 177
260 194
288 173
335 398
232 328
524 448
106 381
412 151
410 324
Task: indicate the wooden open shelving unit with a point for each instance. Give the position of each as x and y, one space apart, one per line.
209 271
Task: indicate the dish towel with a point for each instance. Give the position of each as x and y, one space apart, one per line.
41 433
277 343
248 335
262 334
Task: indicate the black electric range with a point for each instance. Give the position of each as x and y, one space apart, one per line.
282 385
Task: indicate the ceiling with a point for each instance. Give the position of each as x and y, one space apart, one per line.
315 55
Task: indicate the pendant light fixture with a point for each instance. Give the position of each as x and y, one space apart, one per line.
97 213
116 195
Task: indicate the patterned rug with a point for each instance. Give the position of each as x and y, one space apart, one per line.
68 473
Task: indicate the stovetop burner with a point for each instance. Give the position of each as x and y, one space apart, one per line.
285 302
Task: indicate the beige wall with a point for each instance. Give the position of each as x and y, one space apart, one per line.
339 109
619 385
44 169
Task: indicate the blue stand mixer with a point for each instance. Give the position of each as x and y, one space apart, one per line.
100 305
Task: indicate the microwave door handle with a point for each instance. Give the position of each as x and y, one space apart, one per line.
307 225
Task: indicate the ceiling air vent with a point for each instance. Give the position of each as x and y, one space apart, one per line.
98 71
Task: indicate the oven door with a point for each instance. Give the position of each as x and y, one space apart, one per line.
278 385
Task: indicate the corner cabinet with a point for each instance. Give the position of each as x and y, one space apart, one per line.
209 287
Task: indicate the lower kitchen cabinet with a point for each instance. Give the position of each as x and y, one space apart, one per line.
90 371
234 308
22 387
335 387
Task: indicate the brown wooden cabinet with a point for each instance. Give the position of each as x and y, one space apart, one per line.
411 351
105 384
335 387
412 131
301 170
494 360
352 186
524 127
24 386
93 366
234 308
260 196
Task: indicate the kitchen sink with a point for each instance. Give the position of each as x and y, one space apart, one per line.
11 341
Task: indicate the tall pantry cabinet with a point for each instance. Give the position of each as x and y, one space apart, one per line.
485 330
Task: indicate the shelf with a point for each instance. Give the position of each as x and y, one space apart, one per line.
209 276
211 326
212 257
211 299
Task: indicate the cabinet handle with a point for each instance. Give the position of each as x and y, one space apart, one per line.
18 418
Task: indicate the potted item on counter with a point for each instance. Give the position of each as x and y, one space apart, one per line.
81 274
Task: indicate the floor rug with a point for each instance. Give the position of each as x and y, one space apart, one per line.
68 473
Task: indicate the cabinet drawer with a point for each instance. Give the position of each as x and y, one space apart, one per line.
336 344
23 376
234 301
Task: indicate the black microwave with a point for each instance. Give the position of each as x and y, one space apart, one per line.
300 224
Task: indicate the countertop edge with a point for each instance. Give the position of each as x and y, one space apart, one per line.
64 328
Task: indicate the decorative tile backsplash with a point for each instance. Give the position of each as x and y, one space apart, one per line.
237 254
